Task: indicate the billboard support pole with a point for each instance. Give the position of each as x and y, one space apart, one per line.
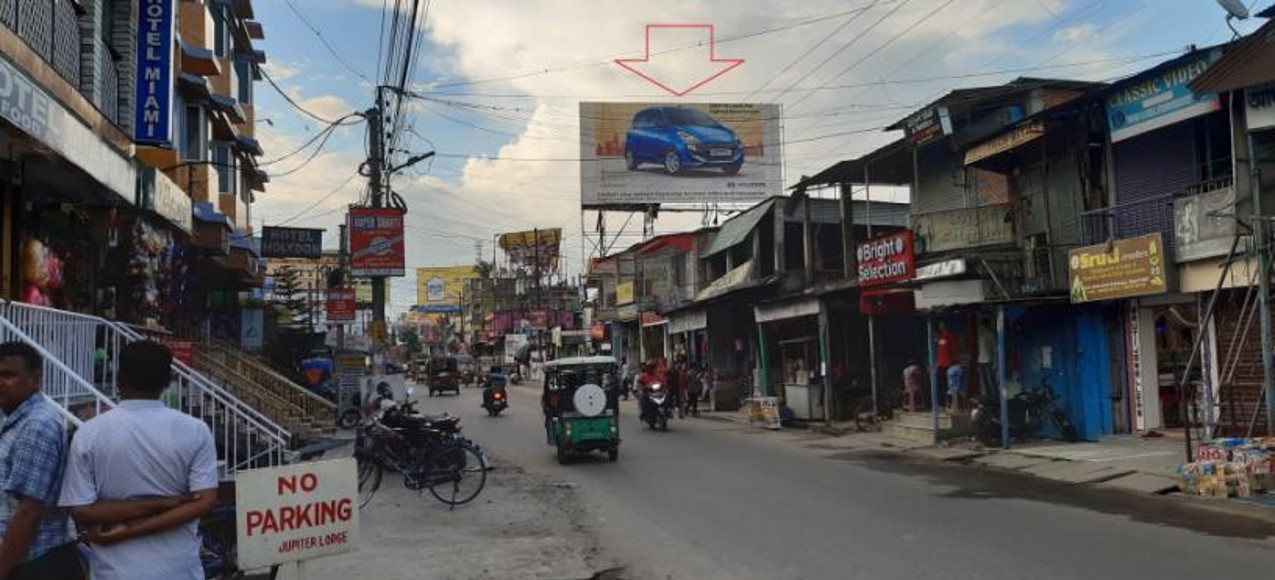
342 264
375 162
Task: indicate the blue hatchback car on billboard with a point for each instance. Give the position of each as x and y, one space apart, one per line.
680 138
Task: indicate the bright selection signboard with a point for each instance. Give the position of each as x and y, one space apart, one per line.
644 153
886 259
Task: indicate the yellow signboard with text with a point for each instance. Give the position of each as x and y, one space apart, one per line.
442 286
1121 269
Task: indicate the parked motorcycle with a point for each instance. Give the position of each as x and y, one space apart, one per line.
495 400
1029 412
657 407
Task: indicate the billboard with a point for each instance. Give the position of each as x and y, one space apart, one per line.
1157 99
533 249
438 289
376 241
644 153
280 242
1121 269
341 306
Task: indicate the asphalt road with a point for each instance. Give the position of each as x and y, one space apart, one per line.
710 500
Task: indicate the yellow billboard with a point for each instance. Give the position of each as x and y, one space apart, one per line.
624 293
439 289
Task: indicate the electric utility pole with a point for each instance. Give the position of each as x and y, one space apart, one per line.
375 165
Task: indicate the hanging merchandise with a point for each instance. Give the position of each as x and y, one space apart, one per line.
150 267
42 273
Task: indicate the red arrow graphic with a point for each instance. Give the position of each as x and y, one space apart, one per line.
706 70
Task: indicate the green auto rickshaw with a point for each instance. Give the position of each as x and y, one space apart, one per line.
581 406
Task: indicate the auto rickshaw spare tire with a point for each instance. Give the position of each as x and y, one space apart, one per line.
590 400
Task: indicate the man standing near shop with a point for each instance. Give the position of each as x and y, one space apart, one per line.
140 477
32 451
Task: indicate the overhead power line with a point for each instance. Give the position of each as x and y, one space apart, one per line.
292 101
324 39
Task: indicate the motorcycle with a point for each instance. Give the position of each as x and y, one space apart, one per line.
495 400
657 407
1029 412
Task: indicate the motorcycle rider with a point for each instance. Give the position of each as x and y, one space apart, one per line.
495 380
642 385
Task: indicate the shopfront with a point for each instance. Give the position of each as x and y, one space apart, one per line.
793 348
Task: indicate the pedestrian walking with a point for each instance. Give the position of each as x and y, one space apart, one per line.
142 449
37 541
914 383
626 378
694 389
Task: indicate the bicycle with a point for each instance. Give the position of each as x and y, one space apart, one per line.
428 452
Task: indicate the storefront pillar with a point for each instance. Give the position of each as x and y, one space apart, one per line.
934 376
824 376
1261 233
763 356
1001 377
872 361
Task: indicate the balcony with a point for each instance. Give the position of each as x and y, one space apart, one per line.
51 28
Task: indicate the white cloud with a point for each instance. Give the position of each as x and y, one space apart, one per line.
1076 34
280 71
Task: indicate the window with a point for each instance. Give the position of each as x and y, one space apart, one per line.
227 170
193 141
221 31
243 76
108 21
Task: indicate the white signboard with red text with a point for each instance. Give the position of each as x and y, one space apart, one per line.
296 512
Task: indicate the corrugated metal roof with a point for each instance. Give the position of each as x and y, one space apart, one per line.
1245 64
736 229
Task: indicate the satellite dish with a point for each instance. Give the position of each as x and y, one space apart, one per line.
590 400
1234 8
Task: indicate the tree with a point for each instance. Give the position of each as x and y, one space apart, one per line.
411 341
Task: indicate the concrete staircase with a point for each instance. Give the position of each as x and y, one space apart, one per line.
306 415
919 426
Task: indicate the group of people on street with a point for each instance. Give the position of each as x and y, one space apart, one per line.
687 384
128 488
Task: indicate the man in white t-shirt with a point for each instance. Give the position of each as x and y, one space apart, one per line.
141 476
987 357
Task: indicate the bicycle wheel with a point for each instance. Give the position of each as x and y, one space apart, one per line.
864 418
468 472
370 473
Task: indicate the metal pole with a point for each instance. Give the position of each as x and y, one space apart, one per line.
872 322
934 377
823 365
1000 375
763 353
342 264
1264 286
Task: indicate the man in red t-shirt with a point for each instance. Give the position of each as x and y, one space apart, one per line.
948 353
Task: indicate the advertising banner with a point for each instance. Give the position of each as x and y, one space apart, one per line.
440 289
1122 269
280 242
1007 141
513 342
341 306
927 126
153 117
624 293
534 249
166 199
296 512
644 153
886 259
958 229
1203 225
1160 98
376 241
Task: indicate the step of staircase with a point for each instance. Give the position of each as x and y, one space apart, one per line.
919 426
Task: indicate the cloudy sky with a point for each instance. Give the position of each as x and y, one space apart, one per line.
505 78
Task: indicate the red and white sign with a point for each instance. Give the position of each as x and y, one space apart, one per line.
296 512
886 259
183 350
376 241
341 306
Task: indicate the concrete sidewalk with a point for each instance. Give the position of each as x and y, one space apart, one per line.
1126 462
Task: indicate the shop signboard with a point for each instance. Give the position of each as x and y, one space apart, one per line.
886 260
1008 141
944 269
153 114
645 153
281 242
1204 224
927 126
296 512
341 306
1259 107
376 241
1160 97
624 293
1122 269
160 195
944 231
30 108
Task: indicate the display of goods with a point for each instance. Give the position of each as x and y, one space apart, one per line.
1218 479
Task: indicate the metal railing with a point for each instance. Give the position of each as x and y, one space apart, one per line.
107 96
51 28
311 405
79 348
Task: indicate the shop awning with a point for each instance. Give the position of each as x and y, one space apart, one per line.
255 31
737 229
198 61
205 213
688 321
246 242
222 128
732 280
786 309
193 87
248 144
229 106
1246 63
